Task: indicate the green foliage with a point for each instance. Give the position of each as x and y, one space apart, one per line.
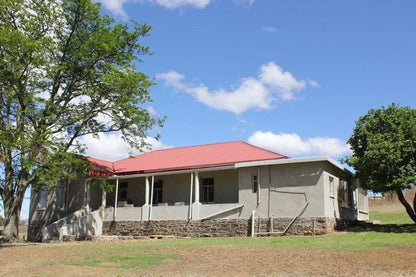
66 71
384 148
384 151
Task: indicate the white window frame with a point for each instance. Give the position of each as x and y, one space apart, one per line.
331 187
254 183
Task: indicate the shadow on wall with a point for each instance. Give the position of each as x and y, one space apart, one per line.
79 224
76 194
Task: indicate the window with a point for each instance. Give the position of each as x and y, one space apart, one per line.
331 187
206 194
60 190
123 191
345 194
157 192
254 183
43 203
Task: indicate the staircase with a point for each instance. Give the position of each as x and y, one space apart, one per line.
79 224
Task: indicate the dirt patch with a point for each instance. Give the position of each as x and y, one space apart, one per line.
267 261
53 259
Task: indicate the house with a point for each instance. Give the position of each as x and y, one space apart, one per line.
222 189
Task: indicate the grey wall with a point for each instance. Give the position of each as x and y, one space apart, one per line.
289 185
333 207
176 188
71 199
225 185
76 194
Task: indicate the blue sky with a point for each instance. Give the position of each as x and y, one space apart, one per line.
291 76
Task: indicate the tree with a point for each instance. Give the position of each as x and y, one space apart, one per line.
384 152
66 71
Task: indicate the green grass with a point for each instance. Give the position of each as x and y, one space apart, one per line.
124 260
349 240
391 217
133 255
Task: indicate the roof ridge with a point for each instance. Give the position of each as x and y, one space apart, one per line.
180 147
197 145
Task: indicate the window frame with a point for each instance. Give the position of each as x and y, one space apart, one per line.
345 194
123 191
43 199
157 192
207 191
254 183
331 187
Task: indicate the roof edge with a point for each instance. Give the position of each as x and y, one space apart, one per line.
293 161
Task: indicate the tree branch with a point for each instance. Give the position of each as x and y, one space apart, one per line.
414 200
409 209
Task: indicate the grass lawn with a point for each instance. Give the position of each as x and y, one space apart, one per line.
391 217
356 252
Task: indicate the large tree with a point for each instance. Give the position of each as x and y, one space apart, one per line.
66 71
384 152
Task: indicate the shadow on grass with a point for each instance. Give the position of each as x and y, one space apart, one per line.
383 228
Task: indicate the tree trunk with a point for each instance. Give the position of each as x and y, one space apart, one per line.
414 200
11 219
410 211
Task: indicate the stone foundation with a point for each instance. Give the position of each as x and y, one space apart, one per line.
179 228
217 227
302 226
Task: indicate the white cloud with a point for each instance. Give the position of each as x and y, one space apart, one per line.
173 4
116 6
329 146
252 93
313 83
283 82
292 144
111 147
269 29
244 2
153 112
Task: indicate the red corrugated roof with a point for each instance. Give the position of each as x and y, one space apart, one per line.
192 157
200 156
100 168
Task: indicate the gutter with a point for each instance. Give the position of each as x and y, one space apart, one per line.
170 172
293 161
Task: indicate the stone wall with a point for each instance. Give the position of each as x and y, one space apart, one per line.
302 226
179 228
217 227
